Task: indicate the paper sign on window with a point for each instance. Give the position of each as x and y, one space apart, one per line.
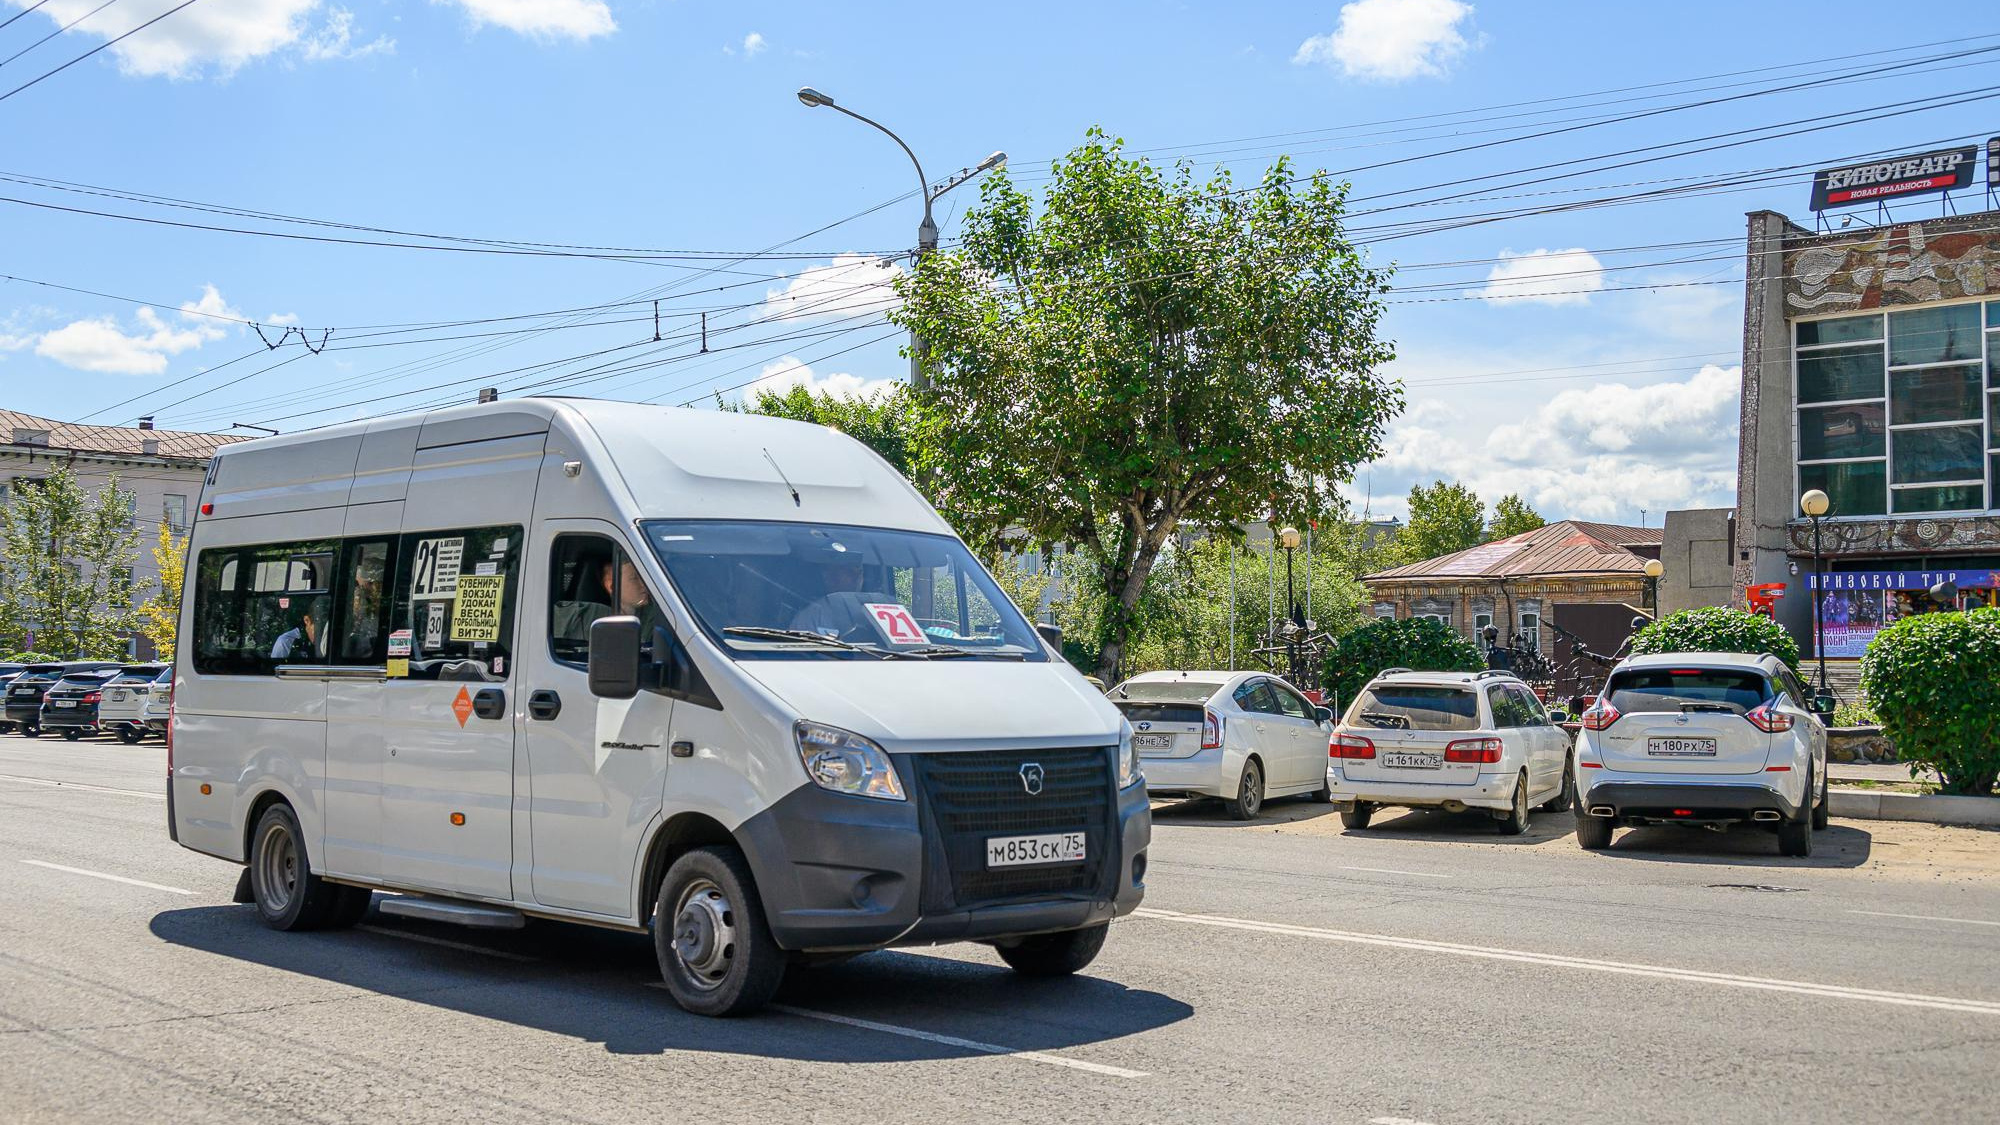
895 623
476 614
435 568
434 626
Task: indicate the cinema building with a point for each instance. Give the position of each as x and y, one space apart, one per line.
1871 371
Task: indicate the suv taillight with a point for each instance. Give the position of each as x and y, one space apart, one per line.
1600 716
1478 751
1350 746
1211 730
1769 719
92 697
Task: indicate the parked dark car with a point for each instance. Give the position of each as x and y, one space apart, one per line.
70 704
8 671
24 695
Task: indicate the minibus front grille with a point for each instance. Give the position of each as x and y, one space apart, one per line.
969 798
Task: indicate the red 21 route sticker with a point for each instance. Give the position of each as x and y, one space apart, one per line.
896 624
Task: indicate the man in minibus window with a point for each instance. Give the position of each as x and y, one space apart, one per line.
301 641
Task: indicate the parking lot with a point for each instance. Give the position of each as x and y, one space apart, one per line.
1426 970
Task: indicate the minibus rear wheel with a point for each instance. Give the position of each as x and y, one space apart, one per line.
1054 955
287 894
715 948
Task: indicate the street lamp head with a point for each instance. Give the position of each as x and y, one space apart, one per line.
1655 568
813 99
1288 538
992 163
1814 503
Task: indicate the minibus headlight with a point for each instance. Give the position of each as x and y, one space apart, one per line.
846 762
1129 773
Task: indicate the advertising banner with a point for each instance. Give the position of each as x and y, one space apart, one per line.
1857 604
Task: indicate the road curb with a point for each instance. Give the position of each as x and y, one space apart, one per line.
1864 804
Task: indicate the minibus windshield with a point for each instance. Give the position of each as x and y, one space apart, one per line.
792 591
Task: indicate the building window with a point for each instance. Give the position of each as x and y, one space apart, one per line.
1899 412
1531 629
1441 616
1480 622
174 510
1385 610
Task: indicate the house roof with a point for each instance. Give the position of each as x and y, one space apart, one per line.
1566 547
28 430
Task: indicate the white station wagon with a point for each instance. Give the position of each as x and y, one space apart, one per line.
1451 741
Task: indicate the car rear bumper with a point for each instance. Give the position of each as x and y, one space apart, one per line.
57 718
29 713
1667 802
1199 776
1490 791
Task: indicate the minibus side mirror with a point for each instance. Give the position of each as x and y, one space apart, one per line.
1052 634
614 657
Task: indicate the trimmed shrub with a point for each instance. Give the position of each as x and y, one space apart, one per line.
1420 644
1934 682
1717 628
31 658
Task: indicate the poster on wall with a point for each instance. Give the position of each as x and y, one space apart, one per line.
1856 605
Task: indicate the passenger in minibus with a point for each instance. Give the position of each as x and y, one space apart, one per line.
301 641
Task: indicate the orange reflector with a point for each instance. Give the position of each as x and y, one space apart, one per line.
205 790
458 818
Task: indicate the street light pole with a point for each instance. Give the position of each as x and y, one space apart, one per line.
1288 538
1815 504
927 231
1654 568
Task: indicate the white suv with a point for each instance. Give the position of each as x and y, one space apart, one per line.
1452 741
1706 738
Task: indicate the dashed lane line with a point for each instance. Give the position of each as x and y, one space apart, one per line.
54 784
1587 964
1394 871
1926 918
1043 1057
108 876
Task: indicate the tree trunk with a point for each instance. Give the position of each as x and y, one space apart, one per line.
1123 585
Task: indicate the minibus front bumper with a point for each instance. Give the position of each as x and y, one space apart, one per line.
839 873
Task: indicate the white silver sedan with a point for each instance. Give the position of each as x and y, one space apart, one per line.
1242 737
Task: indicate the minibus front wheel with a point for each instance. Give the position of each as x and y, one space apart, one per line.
1054 955
715 948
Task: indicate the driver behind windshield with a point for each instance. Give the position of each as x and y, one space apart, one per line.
840 611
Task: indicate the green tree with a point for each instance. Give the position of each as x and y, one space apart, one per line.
1930 681
1717 628
1444 518
1143 351
162 611
880 421
1418 643
67 557
1512 516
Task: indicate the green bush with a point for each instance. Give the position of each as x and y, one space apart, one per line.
1933 681
1420 644
1717 628
31 658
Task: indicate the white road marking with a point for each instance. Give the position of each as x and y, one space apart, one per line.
105 875
79 785
967 1044
1393 871
1554 960
1925 918
1396 1121
447 943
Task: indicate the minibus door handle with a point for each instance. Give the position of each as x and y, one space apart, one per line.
544 705
489 703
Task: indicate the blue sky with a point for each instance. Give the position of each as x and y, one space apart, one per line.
1601 382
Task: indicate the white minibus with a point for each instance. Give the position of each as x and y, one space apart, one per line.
722 678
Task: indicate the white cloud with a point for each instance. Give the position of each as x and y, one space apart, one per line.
223 35
282 319
1544 277
1391 40
541 19
334 40
791 371
1600 453
753 45
849 285
100 344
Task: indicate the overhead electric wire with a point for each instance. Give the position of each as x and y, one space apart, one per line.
4 24
101 46
51 35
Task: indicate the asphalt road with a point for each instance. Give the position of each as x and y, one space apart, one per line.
1425 971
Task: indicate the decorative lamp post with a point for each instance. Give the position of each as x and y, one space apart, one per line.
1815 505
1654 568
1288 538
927 231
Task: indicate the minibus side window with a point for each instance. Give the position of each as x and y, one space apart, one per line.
591 577
452 611
361 627
259 607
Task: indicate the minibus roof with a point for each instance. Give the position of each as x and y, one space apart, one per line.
657 462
